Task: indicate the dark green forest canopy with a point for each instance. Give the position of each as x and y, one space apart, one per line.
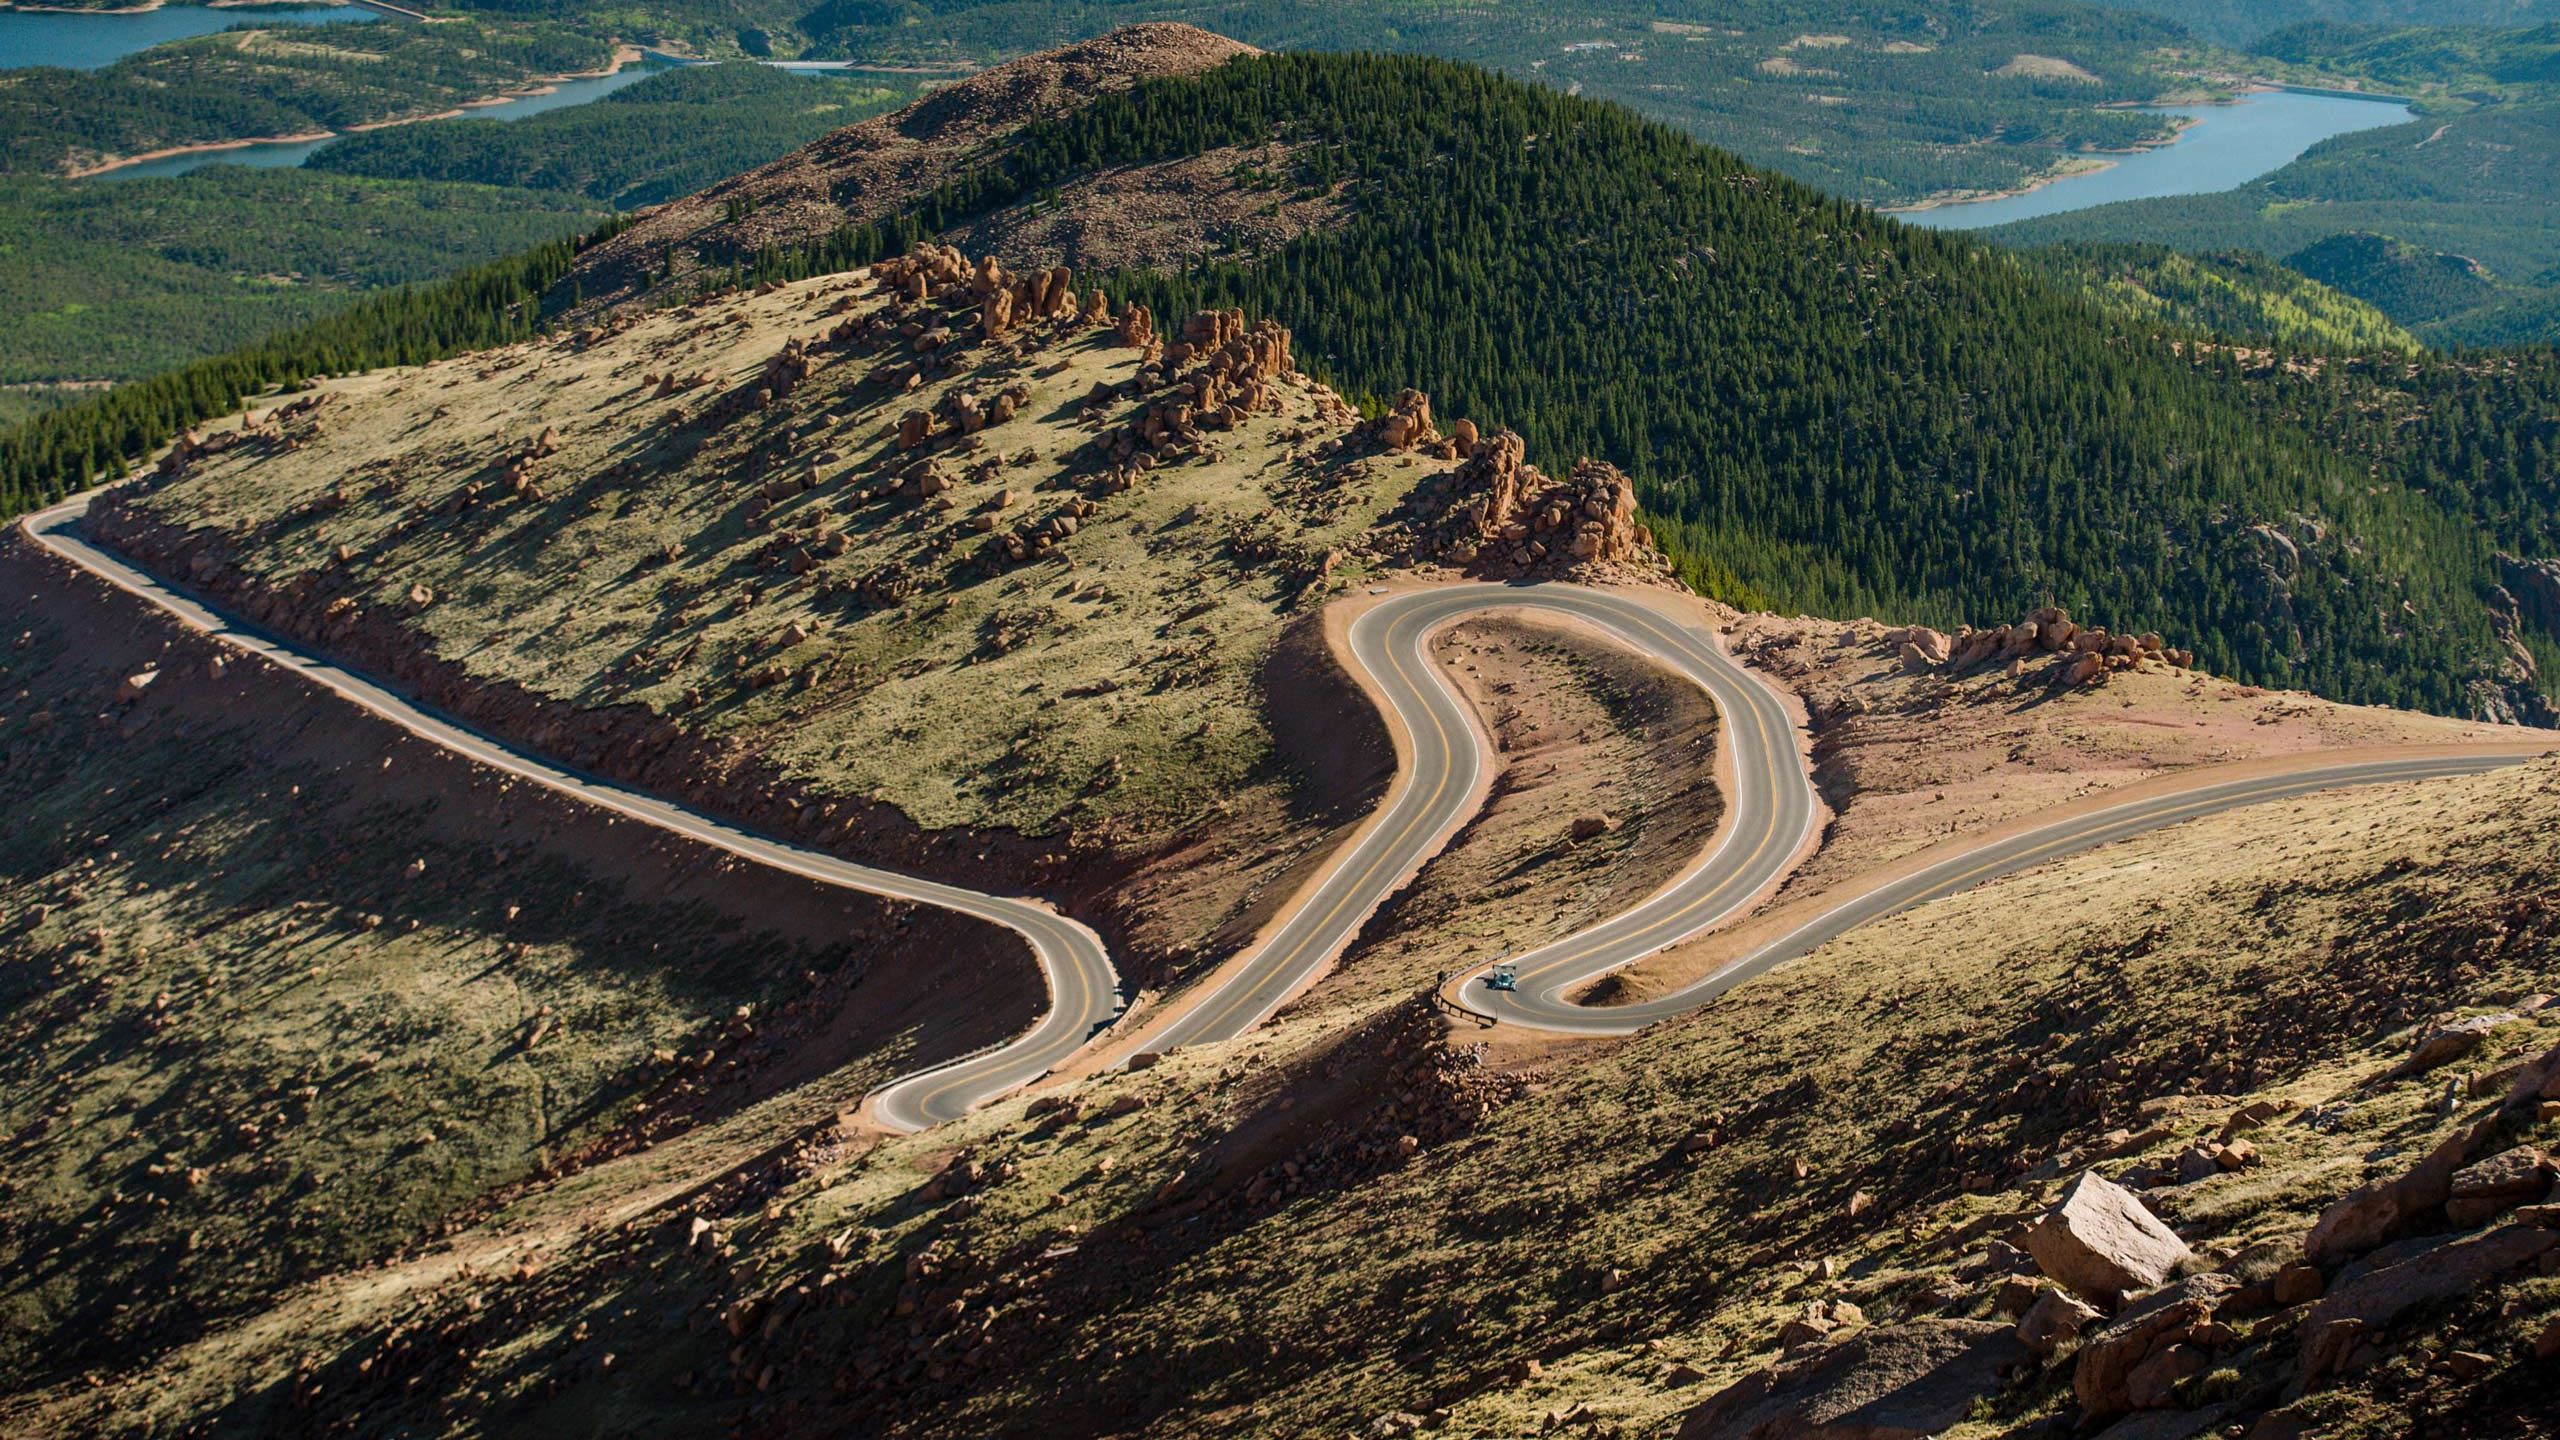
2245 22
1880 103
121 280
1827 410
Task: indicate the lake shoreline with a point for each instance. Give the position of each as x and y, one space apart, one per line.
1953 199
623 55
2219 144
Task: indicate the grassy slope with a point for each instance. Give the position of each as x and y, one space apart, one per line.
2236 296
994 698
281 991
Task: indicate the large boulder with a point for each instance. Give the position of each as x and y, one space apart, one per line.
2102 1241
2055 1320
2369 1296
1899 1382
2447 1043
2489 1188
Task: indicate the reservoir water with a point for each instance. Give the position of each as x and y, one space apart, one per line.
92 40
2226 147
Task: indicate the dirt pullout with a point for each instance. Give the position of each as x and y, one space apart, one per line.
1916 759
1908 759
292 990
868 171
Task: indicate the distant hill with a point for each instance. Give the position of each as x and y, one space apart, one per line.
1825 410
2243 22
2398 277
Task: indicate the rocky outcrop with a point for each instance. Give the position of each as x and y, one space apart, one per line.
2535 588
2375 1214
1499 515
2343 1332
1220 374
2141 1357
2089 653
1900 1382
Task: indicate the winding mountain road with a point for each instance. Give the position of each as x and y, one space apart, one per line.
1084 991
1547 977
1771 818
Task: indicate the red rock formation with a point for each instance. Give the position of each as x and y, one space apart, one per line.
1505 517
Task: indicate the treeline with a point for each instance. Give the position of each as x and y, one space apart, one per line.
69 449
1828 411
668 135
248 83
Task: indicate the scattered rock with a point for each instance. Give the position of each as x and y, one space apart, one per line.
1817 1320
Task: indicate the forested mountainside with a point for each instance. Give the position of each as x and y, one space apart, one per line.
1827 410
1830 411
251 83
1882 104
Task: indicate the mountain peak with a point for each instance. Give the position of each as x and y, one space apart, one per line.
867 171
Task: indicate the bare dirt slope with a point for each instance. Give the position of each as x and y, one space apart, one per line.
867 171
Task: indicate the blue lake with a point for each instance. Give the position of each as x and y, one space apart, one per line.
91 41
2227 147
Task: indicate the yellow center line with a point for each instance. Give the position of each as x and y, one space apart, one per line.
1368 870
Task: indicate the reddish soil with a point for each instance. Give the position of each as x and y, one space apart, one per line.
867 171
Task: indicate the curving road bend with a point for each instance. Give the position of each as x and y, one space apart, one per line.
1546 978
1771 812
1084 991
1771 818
